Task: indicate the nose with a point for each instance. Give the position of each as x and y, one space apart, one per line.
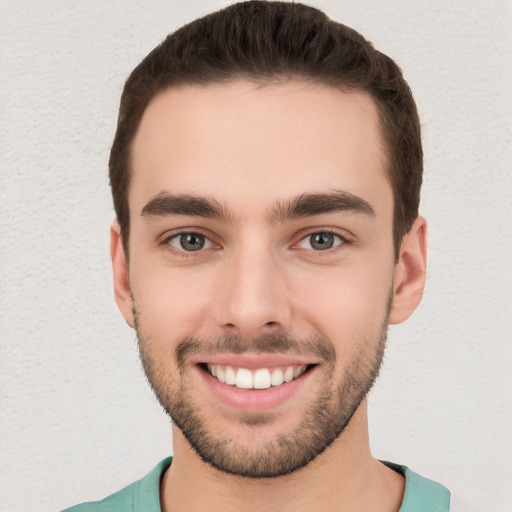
253 296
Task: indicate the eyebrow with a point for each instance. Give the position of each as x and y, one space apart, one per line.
305 205
165 203
308 205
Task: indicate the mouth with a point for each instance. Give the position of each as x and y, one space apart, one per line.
254 383
258 378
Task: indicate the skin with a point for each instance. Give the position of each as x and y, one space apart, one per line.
250 148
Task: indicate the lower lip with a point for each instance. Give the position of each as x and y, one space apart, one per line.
255 400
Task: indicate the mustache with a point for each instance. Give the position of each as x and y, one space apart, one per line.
270 343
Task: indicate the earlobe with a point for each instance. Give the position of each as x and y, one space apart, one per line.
410 271
120 273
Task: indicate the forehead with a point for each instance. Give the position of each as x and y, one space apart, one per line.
252 144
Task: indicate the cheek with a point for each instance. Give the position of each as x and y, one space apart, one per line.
171 303
346 302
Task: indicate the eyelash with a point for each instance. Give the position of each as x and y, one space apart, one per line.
343 239
165 241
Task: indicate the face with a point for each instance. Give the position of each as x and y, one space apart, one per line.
261 269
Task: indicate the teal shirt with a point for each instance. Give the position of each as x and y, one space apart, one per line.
421 494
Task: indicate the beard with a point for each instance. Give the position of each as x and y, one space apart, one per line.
260 454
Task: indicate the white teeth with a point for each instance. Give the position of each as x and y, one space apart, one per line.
288 374
230 376
244 379
260 379
277 377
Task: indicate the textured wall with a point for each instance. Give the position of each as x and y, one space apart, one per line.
77 420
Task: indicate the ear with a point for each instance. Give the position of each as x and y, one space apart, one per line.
410 270
121 274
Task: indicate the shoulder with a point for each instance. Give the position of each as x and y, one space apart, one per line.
142 495
421 494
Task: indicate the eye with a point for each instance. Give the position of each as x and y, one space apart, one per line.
321 241
190 242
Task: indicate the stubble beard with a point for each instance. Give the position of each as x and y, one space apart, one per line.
323 421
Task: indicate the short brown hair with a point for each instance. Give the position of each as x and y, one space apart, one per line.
264 41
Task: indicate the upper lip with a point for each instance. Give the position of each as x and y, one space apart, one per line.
254 361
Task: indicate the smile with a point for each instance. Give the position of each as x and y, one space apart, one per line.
261 378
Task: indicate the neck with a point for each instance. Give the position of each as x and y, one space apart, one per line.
344 477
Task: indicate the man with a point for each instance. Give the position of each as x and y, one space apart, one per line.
266 174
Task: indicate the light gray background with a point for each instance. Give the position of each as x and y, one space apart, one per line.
77 420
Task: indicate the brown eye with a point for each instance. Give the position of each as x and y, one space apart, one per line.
190 242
